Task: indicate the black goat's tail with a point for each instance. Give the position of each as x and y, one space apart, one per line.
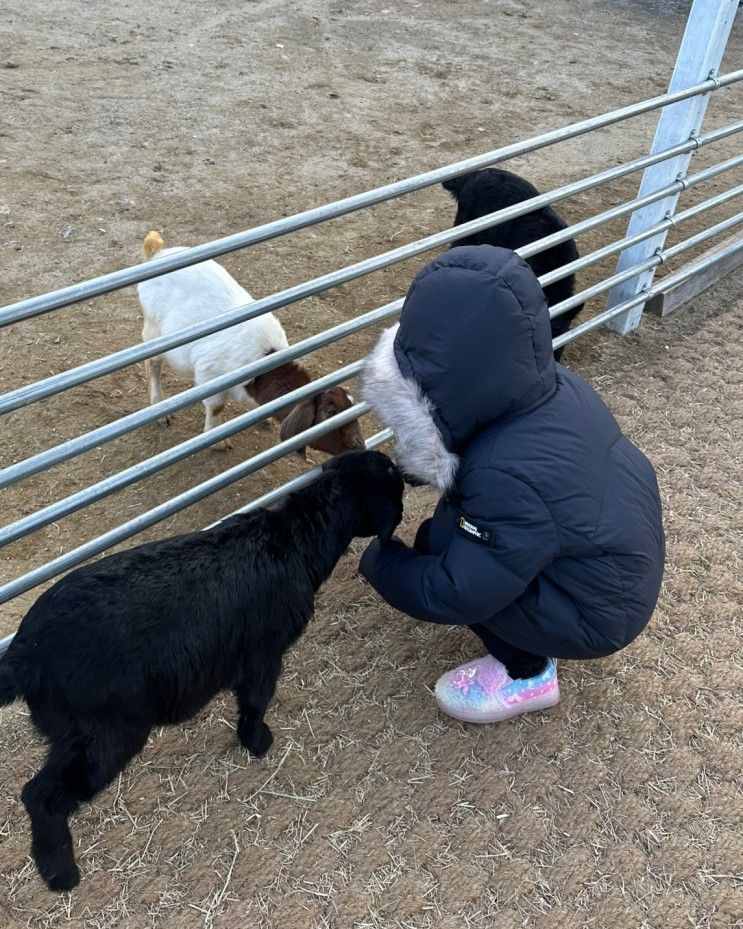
8 689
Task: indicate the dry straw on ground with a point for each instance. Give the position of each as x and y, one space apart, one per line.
622 807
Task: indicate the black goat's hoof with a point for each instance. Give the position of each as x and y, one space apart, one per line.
256 738
58 869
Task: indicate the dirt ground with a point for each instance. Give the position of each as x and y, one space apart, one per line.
619 808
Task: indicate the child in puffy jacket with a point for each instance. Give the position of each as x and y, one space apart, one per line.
548 539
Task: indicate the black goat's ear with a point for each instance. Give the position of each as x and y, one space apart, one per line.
453 184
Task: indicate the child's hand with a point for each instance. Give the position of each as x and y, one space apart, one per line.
374 550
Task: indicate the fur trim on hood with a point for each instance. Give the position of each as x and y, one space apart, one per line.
402 406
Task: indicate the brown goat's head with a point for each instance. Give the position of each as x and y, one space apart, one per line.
316 410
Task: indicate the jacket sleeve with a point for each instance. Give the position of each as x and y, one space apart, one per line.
508 538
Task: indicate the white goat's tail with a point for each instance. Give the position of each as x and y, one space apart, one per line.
152 244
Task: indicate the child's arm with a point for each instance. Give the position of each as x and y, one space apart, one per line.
505 538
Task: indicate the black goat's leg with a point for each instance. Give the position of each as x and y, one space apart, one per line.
254 692
50 802
74 772
108 750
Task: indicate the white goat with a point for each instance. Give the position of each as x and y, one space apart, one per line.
192 295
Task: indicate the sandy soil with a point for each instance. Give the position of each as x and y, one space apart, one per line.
620 807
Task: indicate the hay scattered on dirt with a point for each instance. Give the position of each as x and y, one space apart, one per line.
621 807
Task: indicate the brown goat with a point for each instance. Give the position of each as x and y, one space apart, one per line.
310 412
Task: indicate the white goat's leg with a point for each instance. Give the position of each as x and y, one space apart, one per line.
213 407
152 368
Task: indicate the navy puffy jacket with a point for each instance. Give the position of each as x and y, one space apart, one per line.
549 530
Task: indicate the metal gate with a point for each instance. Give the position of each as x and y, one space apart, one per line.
641 251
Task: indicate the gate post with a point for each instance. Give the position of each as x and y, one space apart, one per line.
699 57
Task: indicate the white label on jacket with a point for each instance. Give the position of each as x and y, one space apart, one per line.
473 531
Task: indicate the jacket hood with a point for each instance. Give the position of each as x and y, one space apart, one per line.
473 346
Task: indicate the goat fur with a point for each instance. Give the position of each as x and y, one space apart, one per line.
481 192
200 292
310 412
147 637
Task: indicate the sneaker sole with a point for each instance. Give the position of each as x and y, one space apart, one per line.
538 703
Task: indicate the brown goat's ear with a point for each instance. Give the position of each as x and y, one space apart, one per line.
300 418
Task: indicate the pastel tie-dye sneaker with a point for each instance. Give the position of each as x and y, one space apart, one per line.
482 691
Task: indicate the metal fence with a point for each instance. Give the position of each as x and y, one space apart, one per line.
638 276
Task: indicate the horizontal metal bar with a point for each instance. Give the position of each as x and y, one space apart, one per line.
670 280
58 510
32 393
670 299
590 292
704 205
127 276
696 267
142 469
607 250
273 496
701 237
33 578
104 488
658 258
175 504
297 483
271 454
73 447
629 206
111 431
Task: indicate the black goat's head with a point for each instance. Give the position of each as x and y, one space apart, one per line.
376 487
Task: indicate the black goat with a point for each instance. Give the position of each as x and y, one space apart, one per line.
147 637
483 192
